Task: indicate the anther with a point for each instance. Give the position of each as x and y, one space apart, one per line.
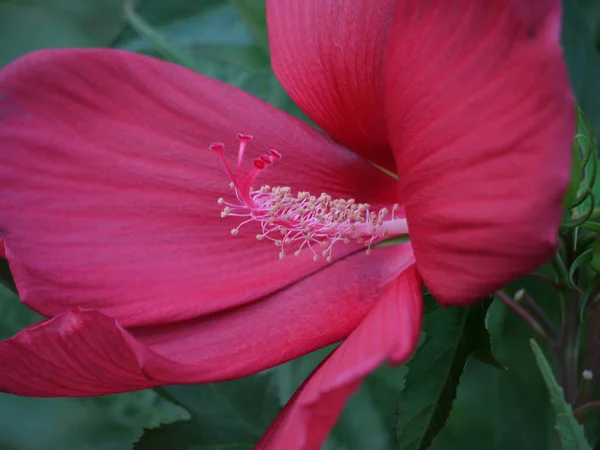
302 219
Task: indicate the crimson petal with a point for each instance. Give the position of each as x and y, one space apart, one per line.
84 352
109 191
329 55
389 332
481 118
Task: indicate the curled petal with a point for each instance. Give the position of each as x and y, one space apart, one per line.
85 352
390 332
481 119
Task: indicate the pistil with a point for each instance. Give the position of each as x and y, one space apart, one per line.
294 222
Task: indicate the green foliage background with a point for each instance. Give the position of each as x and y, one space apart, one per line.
396 407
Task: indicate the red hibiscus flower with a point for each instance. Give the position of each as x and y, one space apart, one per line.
111 199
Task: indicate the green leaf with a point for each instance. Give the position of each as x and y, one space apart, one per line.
254 13
583 62
570 431
6 278
14 315
453 335
163 46
259 82
29 25
224 416
213 30
111 422
591 11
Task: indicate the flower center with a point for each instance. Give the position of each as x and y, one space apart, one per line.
295 222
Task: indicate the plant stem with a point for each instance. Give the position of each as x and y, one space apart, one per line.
592 356
522 313
537 313
571 348
582 410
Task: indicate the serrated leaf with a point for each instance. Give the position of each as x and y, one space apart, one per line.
569 430
434 372
224 416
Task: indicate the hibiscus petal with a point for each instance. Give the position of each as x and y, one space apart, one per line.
109 191
389 332
84 352
328 55
481 118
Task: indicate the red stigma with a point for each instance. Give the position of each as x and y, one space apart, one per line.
216 147
245 138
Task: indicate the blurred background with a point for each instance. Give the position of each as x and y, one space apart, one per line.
227 39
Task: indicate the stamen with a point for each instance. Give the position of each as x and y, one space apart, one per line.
304 219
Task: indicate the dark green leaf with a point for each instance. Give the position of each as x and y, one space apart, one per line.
205 30
6 278
33 24
583 62
521 414
224 416
591 11
14 315
434 372
111 422
570 431
259 82
254 13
